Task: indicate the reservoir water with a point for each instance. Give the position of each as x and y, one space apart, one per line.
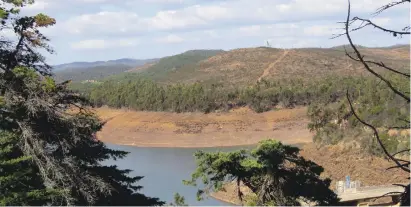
164 169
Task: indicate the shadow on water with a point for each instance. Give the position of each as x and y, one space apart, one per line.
164 169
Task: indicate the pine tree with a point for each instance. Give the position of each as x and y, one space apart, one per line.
275 173
52 130
20 181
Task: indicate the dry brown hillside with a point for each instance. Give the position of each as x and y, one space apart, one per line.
247 65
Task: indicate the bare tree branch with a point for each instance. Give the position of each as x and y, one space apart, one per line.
376 136
361 58
381 64
399 166
387 6
367 22
402 151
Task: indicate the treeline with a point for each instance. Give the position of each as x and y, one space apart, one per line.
142 94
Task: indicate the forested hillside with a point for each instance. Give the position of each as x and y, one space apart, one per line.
184 61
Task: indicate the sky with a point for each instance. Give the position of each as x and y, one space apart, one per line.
92 30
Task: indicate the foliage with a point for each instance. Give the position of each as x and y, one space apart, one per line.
334 122
49 131
178 200
20 180
143 94
272 171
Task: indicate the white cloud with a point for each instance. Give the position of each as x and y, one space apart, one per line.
103 44
171 38
211 33
214 14
165 1
381 21
38 5
321 30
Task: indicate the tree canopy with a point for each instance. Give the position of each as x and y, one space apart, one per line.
272 171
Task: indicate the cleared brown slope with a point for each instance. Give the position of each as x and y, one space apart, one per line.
247 65
234 128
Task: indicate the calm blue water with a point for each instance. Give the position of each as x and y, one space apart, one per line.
164 169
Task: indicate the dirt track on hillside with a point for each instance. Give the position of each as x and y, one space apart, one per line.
237 127
272 65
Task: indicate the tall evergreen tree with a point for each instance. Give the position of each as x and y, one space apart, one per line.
19 179
52 132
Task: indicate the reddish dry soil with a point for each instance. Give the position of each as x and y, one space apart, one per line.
234 128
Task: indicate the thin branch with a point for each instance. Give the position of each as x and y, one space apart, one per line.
381 64
360 57
387 6
399 166
406 150
369 22
401 185
401 160
376 135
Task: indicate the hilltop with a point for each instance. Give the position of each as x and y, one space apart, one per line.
247 65
241 66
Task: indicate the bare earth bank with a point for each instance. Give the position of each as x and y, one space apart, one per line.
234 128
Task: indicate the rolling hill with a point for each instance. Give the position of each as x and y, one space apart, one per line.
248 65
81 71
166 65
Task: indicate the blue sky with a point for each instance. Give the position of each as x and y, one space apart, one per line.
90 30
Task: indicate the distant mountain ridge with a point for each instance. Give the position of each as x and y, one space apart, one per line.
124 61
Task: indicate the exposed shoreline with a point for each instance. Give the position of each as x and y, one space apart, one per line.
239 127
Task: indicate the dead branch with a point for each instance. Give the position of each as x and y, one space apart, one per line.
399 166
361 58
381 64
402 151
387 6
376 134
367 22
